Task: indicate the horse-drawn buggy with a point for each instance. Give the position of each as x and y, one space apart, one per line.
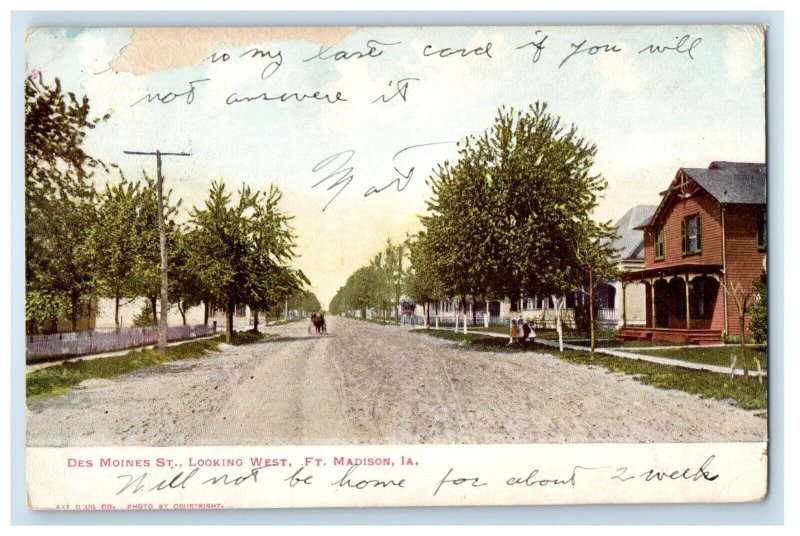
318 323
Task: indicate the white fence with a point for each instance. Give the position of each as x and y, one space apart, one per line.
76 343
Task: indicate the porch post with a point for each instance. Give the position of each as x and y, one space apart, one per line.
624 314
653 303
688 316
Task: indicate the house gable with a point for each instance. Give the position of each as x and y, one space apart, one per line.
684 200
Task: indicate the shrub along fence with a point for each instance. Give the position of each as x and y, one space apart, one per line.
77 343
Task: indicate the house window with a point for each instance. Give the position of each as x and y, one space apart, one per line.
692 235
659 246
761 226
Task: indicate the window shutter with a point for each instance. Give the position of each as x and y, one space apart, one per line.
683 237
699 233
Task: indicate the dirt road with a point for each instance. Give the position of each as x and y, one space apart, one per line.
365 383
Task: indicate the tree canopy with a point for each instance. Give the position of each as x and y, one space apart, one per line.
514 215
59 204
82 244
243 246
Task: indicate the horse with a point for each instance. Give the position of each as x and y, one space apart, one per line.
313 323
319 323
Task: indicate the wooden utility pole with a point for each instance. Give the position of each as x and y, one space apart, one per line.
162 239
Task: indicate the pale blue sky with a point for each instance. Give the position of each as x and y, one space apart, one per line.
648 115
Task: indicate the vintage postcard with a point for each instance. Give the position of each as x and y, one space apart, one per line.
296 267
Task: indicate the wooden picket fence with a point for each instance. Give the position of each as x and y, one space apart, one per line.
77 343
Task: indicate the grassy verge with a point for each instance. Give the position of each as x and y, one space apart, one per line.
715 356
284 322
378 321
52 381
246 337
747 393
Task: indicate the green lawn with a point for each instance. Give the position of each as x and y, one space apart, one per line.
605 339
56 379
715 356
748 393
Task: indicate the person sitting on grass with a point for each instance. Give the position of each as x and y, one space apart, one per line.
526 331
514 335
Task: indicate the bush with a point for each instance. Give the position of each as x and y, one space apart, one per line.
144 317
583 321
758 312
244 337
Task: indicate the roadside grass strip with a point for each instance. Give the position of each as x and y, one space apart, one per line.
745 392
57 379
246 337
716 355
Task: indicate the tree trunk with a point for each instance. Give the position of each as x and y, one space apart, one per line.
182 311
205 312
255 320
73 314
229 322
559 328
116 310
464 312
591 306
427 314
153 300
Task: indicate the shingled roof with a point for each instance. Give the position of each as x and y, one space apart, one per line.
630 243
732 182
729 183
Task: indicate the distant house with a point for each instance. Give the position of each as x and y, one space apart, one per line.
608 295
708 233
623 303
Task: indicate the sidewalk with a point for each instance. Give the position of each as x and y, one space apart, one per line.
624 354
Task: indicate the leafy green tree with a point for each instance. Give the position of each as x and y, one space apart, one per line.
467 250
272 281
514 215
423 281
303 301
224 232
382 291
363 289
145 275
186 286
113 240
59 205
336 306
243 248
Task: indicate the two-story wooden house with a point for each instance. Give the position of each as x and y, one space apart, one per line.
707 234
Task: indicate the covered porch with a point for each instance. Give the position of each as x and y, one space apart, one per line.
683 304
